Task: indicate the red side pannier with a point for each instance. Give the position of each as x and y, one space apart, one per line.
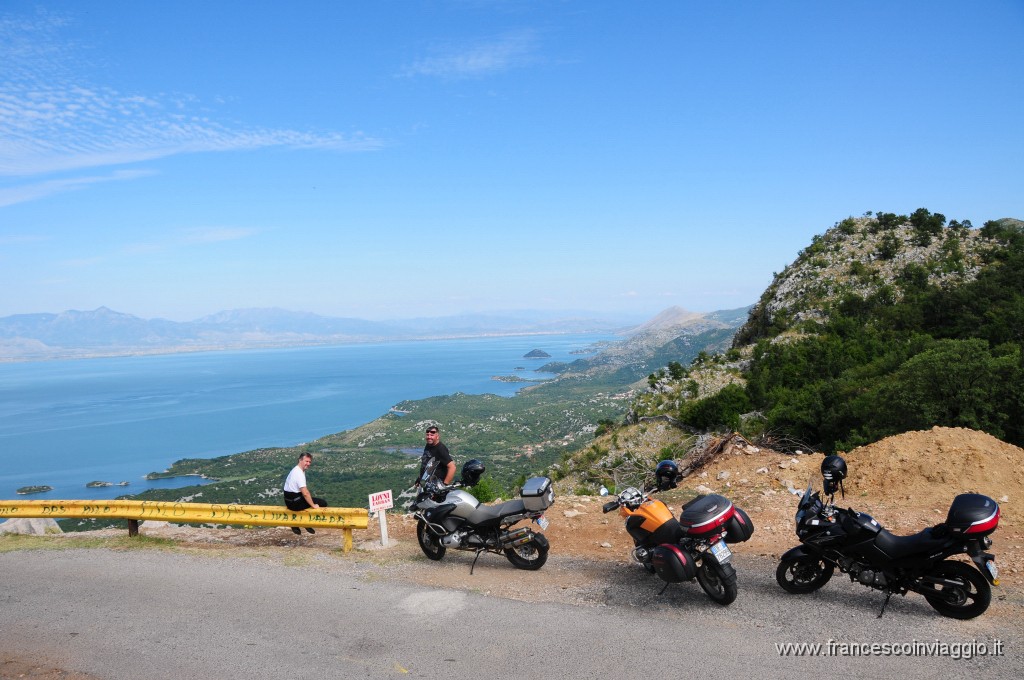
673 564
739 528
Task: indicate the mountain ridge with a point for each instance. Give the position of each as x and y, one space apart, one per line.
106 332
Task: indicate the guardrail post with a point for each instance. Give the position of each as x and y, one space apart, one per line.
133 527
347 540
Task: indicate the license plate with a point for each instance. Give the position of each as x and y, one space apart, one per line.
992 569
721 552
542 521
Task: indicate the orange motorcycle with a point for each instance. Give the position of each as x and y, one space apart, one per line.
692 547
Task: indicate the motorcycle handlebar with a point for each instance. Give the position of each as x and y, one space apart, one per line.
608 507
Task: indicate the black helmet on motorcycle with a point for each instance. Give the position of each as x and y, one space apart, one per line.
666 475
833 470
472 470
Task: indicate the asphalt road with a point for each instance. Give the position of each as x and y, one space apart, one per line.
154 614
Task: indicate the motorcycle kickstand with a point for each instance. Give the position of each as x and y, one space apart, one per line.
667 584
887 596
473 566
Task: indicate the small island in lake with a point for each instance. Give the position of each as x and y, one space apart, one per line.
508 378
537 354
97 485
42 488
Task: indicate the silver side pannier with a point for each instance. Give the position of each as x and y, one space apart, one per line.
537 493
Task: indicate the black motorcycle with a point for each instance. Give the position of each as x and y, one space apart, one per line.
858 545
449 517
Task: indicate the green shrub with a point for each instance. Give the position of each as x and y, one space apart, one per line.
486 490
721 410
848 227
889 247
858 269
887 221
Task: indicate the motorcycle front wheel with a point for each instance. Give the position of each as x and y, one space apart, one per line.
717 580
803 574
429 543
969 598
530 555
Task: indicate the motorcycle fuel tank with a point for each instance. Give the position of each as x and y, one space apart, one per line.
651 524
465 503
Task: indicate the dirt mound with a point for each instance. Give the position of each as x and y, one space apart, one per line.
931 466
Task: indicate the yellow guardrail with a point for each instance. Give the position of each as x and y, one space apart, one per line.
345 519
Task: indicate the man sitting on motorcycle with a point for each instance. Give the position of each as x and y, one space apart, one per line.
436 464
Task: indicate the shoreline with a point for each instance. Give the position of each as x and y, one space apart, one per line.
71 354
71 485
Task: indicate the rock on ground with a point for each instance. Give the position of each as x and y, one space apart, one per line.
35 526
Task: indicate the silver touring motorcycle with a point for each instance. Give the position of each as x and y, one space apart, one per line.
450 517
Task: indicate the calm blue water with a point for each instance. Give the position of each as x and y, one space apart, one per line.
66 423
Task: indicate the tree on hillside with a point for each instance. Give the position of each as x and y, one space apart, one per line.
955 383
721 410
926 225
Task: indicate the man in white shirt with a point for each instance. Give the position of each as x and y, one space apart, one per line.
296 493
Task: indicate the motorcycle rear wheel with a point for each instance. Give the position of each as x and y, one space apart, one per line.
804 574
530 555
965 601
429 543
717 580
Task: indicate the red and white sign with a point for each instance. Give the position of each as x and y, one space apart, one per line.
381 501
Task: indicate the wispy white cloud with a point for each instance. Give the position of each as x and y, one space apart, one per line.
53 120
505 52
186 238
190 237
30 192
218 234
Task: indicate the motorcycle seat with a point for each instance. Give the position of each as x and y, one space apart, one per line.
492 514
897 547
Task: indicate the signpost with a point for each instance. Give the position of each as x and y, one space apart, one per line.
379 502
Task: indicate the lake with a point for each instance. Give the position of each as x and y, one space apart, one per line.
67 423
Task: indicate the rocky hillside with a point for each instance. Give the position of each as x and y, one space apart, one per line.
674 334
883 324
871 255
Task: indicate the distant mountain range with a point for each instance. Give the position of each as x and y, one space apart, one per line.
105 332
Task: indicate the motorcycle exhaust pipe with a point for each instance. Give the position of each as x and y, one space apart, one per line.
517 537
519 541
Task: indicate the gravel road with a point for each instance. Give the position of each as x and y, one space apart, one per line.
274 614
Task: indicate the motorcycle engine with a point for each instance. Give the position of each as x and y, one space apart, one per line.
453 540
866 576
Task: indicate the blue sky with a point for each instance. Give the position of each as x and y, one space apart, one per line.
396 159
